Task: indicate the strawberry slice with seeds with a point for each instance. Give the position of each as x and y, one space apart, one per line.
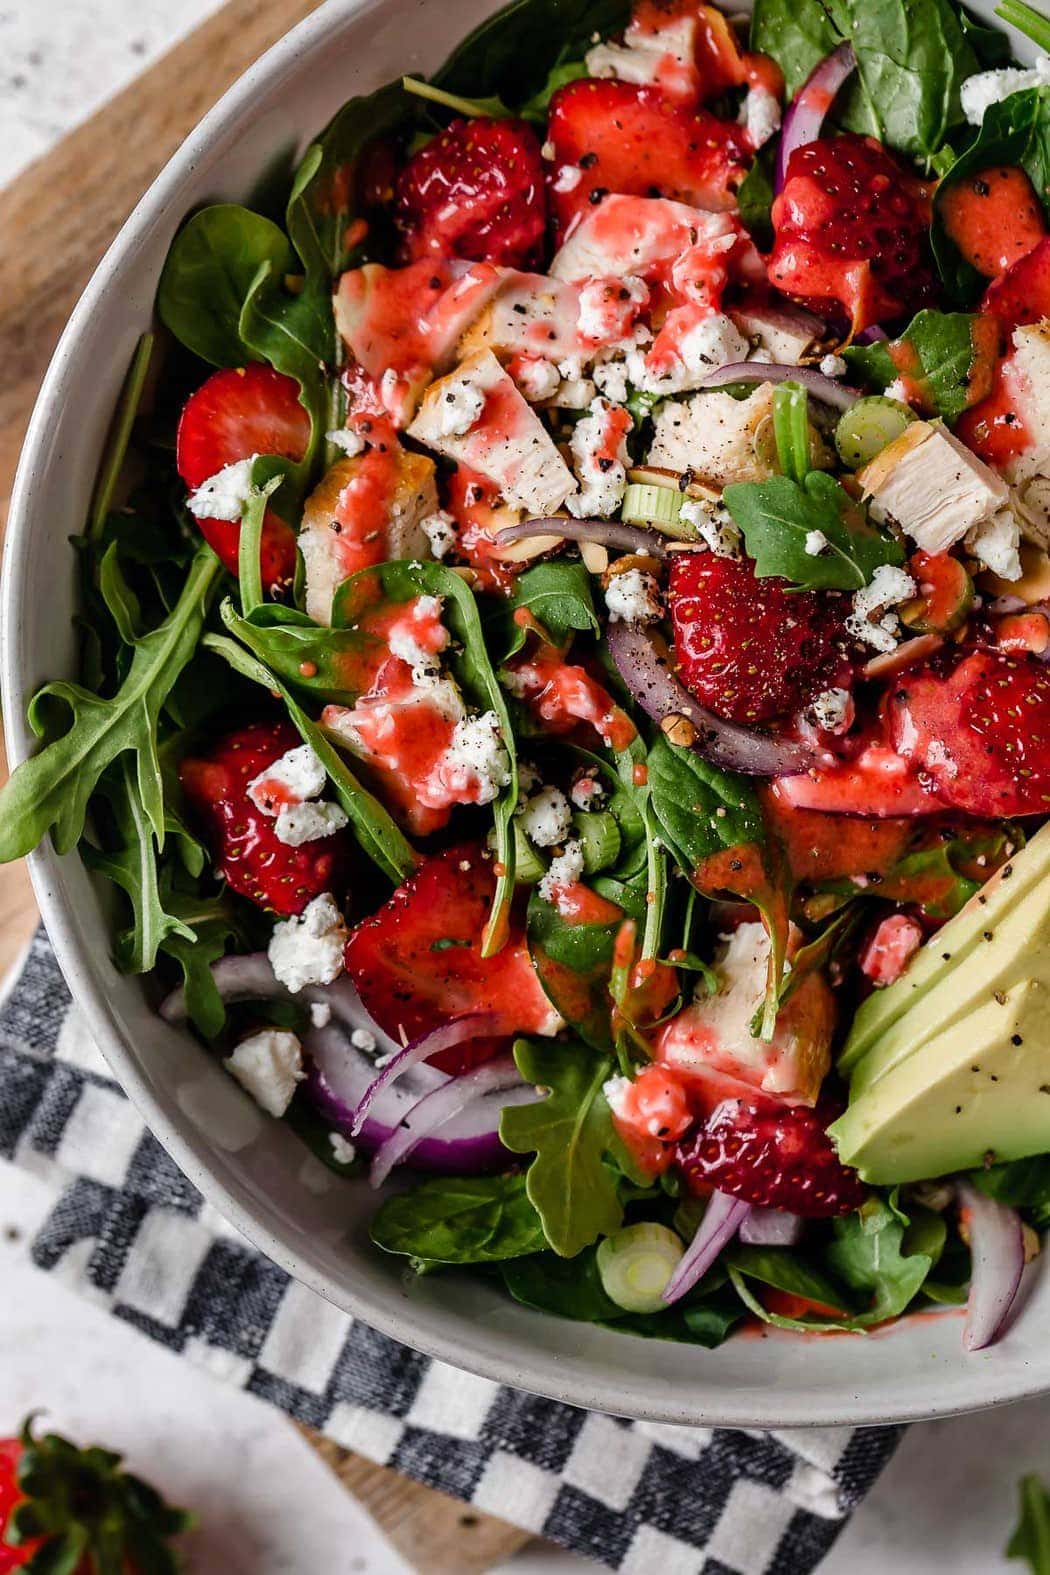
243 841
773 1156
631 140
417 962
979 732
852 231
475 191
751 649
239 412
1022 294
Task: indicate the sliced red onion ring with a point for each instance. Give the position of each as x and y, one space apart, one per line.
476 1025
722 1219
826 389
607 533
646 670
771 1228
435 1109
805 117
872 335
997 1249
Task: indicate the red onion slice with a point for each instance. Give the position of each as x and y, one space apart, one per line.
771 1228
830 392
722 1219
646 671
475 1025
607 533
805 117
997 1249
431 1112
872 335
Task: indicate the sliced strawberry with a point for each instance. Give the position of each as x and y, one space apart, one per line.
1022 294
633 141
774 1157
417 962
852 232
239 412
749 648
877 783
475 190
244 845
979 732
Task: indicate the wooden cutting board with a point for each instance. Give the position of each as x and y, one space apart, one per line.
56 219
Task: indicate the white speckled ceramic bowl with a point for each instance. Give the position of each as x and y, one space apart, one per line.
252 1169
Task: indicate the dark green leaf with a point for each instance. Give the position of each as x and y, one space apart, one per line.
1021 1184
511 54
573 962
786 1269
1031 1537
777 516
207 926
287 641
948 357
701 809
797 33
755 199
869 1255
557 595
939 879
472 1219
566 1287
209 272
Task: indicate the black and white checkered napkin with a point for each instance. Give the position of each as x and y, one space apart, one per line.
130 1232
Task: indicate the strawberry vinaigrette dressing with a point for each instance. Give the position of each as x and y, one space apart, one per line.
562 695
994 218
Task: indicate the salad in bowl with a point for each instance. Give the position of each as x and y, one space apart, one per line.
564 704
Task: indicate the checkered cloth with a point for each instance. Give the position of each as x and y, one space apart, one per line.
129 1231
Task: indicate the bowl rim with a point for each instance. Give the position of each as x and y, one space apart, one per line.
537 1372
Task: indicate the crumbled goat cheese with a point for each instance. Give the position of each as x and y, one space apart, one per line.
403 643
996 542
268 1065
832 710
980 92
834 366
294 778
713 342
309 949
546 817
351 443
223 496
760 116
568 177
815 543
714 524
299 823
587 792
602 477
611 378
565 870
343 1151
537 379
615 1090
320 1014
529 778
363 1039
476 758
889 587
459 407
634 597
607 307
440 530
897 390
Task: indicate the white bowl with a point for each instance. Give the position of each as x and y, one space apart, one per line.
255 1171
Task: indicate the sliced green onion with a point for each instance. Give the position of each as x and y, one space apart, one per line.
868 426
660 507
636 1265
528 866
791 430
599 835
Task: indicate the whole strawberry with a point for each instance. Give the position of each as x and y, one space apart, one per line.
243 841
773 1156
69 1511
852 232
476 191
752 649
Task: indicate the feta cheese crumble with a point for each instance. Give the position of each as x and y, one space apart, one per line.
633 597
298 775
834 366
440 530
611 378
299 823
760 115
815 543
476 760
712 342
309 949
587 792
223 496
345 438
872 619
546 817
320 1014
363 1039
568 178
459 408
714 525
980 92
538 379
600 459
996 542
565 870
268 1064
343 1151
831 710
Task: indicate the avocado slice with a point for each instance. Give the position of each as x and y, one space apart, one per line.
945 956
980 1088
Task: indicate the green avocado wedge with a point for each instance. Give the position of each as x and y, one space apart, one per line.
976 1093
945 959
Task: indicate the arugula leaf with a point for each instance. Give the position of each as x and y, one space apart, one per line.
120 436
511 54
372 825
1031 1536
949 358
570 1131
1013 132
50 791
1020 1184
557 595
209 273
573 962
778 515
287 640
869 1255
206 926
468 1219
700 808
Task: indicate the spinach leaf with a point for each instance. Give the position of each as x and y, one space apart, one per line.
869 1254
755 200
949 358
797 33
700 808
786 1269
778 516
469 1219
570 1131
209 273
557 595
287 641
940 879
372 825
1031 1536
50 791
511 54
1014 132
573 962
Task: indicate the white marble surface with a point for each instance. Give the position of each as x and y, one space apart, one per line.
947 1500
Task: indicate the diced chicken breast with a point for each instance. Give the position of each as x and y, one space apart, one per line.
717 436
642 236
783 334
476 415
658 49
365 510
530 315
1029 473
933 486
